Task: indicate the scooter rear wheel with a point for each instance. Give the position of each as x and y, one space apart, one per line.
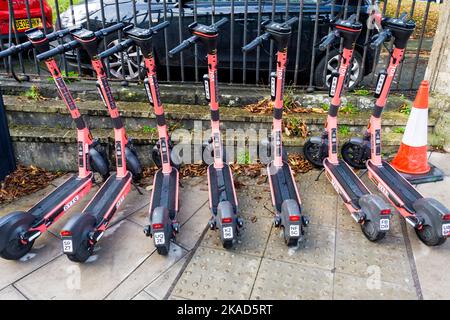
428 235
164 250
351 153
82 253
15 249
227 244
370 231
312 152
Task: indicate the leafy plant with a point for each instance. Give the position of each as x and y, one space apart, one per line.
405 109
325 106
148 129
361 92
344 130
243 157
349 108
33 93
399 130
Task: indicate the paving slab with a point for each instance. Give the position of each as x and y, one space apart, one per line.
357 256
440 160
161 285
251 240
320 208
192 229
117 255
289 281
143 296
315 250
45 249
254 200
149 270
217 274
11 293
350 287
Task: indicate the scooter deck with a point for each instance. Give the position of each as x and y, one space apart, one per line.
165 191
349 181
402 188
283 184
58 195
221 186
107 196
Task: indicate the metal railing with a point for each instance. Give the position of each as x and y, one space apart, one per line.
308 67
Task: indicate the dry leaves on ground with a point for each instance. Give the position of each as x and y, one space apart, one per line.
25 180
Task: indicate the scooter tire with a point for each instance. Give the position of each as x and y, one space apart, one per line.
347 152
311 151
82 253
428 235
227 244
163 251
15 250
370 231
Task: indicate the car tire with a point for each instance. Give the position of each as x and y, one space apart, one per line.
332 65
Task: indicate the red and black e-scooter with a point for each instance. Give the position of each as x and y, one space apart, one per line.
429 217
85 229
368 209
19 230
285 197
164 198
222 194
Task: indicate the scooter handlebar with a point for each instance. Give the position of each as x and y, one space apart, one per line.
220 23
57 50
255 43
16 49
183 45
106 31
380 38
327 41
160 26
120 47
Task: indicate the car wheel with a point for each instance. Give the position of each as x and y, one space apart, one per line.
332 65
133 63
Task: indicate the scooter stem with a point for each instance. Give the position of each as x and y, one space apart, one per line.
278 108
159 112
120 136
374 128
84 137
214 106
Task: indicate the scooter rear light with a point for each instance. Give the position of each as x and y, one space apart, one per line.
66 233
294 218
446 217
385 212
227 220
157 226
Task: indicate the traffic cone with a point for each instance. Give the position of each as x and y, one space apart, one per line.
411 159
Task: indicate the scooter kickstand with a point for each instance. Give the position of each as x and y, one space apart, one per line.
320 173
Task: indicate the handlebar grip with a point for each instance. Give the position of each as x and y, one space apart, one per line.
325 43
16 49
104 32
291 21
252 45
57 50
120 47
220 23
160 26
379 39
183 45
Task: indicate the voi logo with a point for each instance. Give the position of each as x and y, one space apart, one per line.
119 202
383 189
71 203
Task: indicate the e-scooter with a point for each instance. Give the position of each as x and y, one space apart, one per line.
285 197
164 199
222 194
85 229
368 209
429 217
19 230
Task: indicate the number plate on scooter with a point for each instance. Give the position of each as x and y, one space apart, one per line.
159 238
228 233
384 224
294 230
67 246
446 229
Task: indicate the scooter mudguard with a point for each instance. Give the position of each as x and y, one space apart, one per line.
372 206
76 230
12 224
432 212
133 163
291 219
99 162
316 139
357 140
161 226
226 221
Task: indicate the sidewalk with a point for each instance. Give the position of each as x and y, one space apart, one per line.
335 261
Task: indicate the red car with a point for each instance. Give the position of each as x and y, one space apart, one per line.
20 13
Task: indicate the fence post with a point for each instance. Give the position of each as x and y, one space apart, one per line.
438 69
7 159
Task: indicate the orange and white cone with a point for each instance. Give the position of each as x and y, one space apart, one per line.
412 154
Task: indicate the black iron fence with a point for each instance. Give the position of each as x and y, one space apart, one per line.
307 66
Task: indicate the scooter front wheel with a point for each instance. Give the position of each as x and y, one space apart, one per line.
15 249
313 153
429 235
369 229
353 154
